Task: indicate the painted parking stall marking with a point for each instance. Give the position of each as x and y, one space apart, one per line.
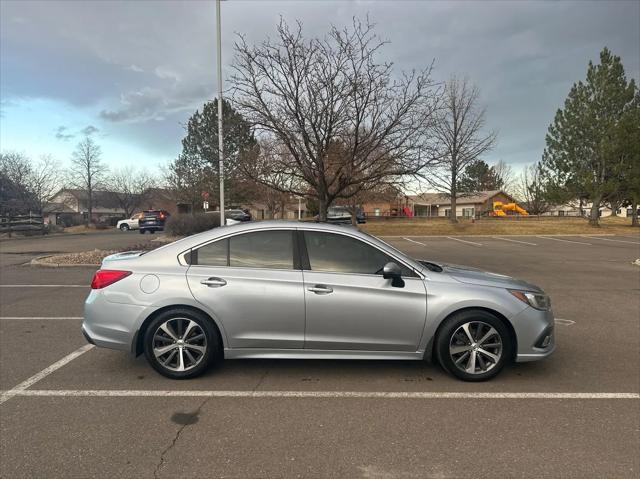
514 241
464 241
413 241
6 395
105 393
40 317
564 322
614 240
563 240
44 286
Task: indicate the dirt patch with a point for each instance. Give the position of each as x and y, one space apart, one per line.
94 257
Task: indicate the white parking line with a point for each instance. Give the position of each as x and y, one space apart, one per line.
41 317
44 286
413 241
616 241
563 240
463 241
20 388
564 322
323 394
514 241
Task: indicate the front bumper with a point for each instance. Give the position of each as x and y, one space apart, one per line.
532 328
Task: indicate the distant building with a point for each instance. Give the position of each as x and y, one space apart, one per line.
436 205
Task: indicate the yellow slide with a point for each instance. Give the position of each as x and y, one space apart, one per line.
499 209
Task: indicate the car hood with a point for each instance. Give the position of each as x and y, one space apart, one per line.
470 275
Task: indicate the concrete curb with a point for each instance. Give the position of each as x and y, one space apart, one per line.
38 262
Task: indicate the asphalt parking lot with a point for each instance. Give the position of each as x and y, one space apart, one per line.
71 410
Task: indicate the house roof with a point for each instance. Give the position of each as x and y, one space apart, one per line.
442 199
105 199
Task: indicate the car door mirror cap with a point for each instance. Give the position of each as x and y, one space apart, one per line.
391 271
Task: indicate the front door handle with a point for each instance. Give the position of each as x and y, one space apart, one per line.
321 289
213 282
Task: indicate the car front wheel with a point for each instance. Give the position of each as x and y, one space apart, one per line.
124 227
473 345
181 344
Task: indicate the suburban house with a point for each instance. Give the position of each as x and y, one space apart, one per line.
573 209
70 206
437 205
467 206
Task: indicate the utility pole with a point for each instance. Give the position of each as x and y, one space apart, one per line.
220 144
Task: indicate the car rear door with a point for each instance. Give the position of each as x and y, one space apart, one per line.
253 285
349 306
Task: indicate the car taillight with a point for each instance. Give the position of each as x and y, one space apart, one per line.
105 277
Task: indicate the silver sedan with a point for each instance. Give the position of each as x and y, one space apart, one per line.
298 290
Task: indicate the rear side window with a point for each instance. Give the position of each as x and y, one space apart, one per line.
342 254
212 254
262 249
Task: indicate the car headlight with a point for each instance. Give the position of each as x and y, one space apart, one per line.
535 300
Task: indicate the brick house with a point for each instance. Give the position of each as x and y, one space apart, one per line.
472 206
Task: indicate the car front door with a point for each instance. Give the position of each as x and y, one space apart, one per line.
250 283
350 306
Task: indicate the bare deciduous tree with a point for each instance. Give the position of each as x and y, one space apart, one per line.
15 170
504 176
130 186
344 121
532 190
458 130
45 179
87 170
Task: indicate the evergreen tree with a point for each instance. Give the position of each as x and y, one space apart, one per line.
580 153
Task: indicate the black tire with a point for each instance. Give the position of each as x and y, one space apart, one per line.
142 231
124 227
477 318
152 231
213 350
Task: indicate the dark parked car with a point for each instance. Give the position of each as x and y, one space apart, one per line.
153 220
341 214
238 215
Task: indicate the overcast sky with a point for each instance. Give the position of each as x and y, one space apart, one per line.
130 73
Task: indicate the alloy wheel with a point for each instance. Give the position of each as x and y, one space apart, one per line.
475 347
179 344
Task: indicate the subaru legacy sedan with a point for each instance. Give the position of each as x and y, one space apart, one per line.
305 290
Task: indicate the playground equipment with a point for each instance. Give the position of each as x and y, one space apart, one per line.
407 211
499 209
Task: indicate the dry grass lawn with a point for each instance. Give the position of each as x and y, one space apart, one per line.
497 226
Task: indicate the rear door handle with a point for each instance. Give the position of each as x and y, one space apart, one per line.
213 282
321 289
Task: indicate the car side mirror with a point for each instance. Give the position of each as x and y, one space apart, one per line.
393 272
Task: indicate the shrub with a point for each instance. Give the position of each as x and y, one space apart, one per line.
185 224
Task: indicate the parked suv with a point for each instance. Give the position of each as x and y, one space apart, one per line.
153 220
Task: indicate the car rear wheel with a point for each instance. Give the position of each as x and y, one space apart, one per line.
124 227
181 344
473 345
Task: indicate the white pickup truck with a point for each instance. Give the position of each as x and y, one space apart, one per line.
129 223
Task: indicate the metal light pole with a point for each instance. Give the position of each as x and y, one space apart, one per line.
220 145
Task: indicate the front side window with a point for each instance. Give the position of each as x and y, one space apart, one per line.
342 254
261 249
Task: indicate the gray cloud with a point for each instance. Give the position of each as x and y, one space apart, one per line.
148 65
89 130
62 133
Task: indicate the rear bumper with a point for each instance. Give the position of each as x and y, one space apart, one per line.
111 325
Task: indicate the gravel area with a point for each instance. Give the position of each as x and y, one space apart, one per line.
85 257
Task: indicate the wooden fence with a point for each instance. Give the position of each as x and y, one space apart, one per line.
30 223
